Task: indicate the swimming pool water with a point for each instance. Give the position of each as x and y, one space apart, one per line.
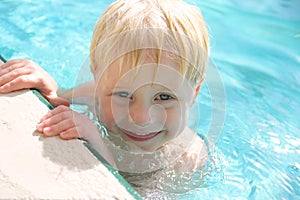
256 48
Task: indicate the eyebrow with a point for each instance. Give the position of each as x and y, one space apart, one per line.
120 88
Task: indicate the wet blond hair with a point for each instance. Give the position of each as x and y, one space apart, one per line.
129 27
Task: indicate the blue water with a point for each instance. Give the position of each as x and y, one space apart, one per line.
255 46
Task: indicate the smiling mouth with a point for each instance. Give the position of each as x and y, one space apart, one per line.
140 138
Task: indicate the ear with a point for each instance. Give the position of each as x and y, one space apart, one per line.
197 91
196 94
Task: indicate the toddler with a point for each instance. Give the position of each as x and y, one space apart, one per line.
148 59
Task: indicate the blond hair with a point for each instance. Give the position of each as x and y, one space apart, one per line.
133 26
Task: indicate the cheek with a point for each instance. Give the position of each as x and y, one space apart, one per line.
105 112
176 120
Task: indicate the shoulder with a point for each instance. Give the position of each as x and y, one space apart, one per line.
198 146
195 155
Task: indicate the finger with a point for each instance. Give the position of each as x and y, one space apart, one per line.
10 66
22 82
56 119
57 101
12 72
54 112
69 134
8 63
58 128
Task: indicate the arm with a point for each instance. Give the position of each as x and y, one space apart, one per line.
85 89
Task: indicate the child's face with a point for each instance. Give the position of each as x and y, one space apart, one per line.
147 106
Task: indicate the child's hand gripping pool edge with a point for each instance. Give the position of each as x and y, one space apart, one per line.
24 74
68 124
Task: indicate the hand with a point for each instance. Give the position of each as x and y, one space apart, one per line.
25 74
66 123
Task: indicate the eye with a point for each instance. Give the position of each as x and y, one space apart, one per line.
123 94
164 97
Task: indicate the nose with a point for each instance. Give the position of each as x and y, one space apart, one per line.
139 114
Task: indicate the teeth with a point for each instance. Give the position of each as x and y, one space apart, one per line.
140 134
143 134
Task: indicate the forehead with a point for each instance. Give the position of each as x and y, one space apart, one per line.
145 67
150 57
123 73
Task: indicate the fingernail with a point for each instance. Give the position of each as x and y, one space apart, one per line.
39 127
46 130
2 89
63 134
